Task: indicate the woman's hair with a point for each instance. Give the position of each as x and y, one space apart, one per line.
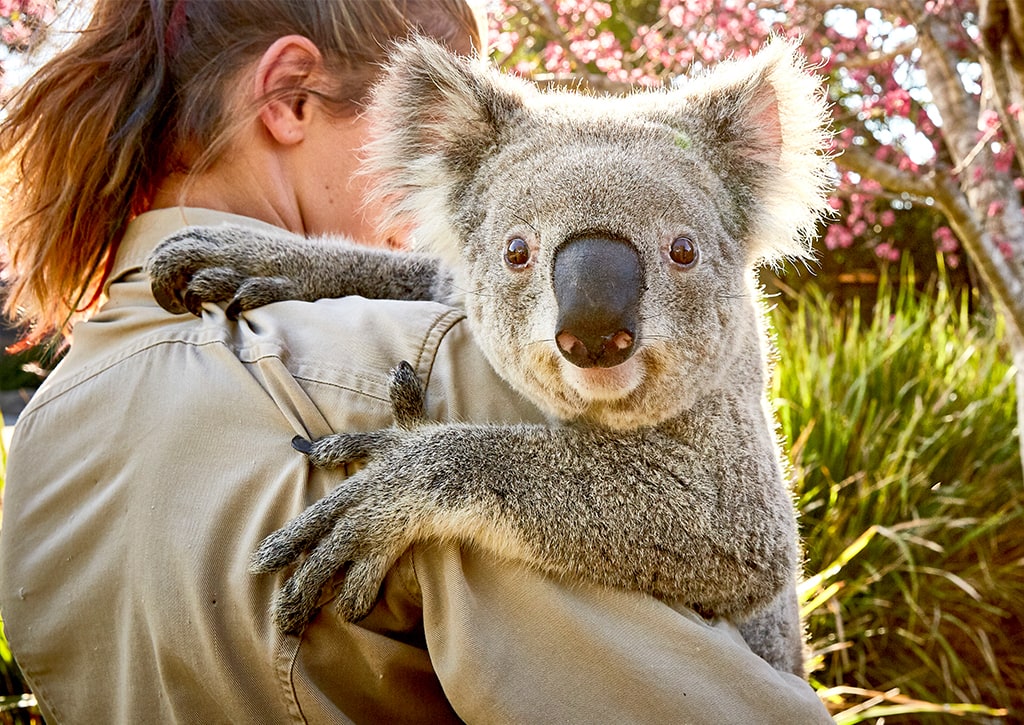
145 90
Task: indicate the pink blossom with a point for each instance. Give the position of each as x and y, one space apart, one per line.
42 9
524 68
597 12
838 236
505 43
15 34
988 120
945 240
871 186
555 60
1002 162
906 164
887 252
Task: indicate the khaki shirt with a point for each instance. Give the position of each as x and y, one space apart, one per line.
157 456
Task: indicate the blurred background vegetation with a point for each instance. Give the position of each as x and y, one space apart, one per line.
900 420
895 391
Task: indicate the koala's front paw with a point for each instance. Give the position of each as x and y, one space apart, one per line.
358 530
188 268
212 264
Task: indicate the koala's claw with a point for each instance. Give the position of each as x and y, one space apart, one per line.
298 599
339 551
195 266
258 291
291 613
169 293
285 546
361 588
193 303
174 267
334 543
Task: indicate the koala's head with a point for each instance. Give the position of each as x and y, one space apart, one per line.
605 246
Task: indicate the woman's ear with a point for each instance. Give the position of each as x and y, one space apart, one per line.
281 86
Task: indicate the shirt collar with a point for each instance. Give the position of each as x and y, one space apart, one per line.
147 230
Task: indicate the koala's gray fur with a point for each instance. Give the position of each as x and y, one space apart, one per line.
664 473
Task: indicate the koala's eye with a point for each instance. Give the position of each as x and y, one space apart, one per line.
683 251
517 253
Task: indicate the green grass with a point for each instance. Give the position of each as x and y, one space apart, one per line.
901 427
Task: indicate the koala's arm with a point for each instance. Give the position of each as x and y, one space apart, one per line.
705 521
249 268
775 633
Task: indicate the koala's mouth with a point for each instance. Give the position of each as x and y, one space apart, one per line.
601 385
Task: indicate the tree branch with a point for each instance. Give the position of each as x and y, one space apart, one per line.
1001 279
859 161
1002 64
877 57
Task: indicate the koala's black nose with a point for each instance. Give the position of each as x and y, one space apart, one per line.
597 284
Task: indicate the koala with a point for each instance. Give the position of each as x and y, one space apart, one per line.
604 250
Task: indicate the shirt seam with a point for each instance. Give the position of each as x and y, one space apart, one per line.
433 338
328 383
67 386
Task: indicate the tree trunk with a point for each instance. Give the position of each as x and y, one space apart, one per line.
985 211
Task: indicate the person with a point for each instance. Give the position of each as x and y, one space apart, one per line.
156 456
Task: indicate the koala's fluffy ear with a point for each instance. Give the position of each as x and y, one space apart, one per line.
761 125
435 116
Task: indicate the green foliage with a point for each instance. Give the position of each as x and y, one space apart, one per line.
907 468
18 370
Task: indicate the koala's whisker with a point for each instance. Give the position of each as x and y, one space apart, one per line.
527 223
478 292
648 318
